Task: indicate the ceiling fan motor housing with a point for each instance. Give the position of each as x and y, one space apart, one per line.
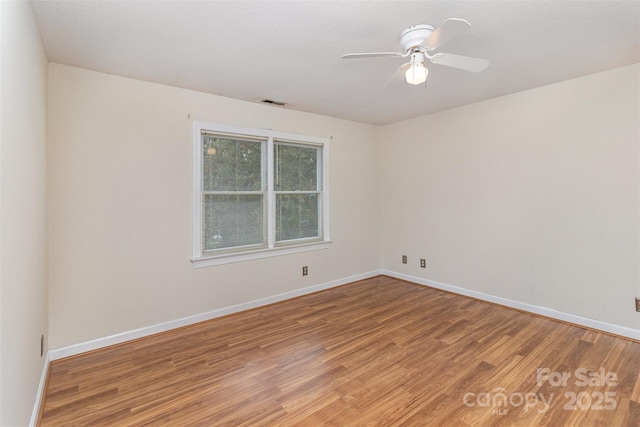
413 36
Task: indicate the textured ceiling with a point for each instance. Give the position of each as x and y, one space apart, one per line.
290 51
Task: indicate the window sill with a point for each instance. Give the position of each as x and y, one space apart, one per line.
228 258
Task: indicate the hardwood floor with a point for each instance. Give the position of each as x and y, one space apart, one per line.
380 352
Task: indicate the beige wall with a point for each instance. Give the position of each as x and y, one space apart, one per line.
23 211
120 213
532 197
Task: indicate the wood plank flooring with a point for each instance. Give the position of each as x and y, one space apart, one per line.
379 352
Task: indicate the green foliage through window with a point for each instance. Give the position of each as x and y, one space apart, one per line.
296 186
236 201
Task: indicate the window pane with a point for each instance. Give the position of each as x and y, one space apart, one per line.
231 165
296 216
296 168
232 220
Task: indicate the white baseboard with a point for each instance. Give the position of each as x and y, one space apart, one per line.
75 349
98 343
543 311
40 393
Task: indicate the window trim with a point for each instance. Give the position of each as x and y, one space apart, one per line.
273 248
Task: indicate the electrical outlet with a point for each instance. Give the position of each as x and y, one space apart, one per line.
423 263
637 304
41 345
404 259
305 270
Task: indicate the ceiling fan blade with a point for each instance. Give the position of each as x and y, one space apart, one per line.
462 62
445 32
398 77
373 55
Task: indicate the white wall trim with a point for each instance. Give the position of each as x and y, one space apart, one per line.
98 343
40 393
228 258
543 311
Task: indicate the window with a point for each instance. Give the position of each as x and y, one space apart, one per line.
232 188
257 193
297 188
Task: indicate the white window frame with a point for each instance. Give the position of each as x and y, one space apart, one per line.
273 248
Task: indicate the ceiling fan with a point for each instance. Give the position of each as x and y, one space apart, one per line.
418 41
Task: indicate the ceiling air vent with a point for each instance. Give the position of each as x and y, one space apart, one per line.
278 103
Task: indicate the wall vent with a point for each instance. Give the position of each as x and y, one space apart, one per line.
278 103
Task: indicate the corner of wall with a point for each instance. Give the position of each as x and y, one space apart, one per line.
23 212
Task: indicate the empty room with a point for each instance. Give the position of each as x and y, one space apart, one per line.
319 213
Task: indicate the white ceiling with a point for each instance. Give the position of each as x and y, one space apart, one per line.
290 51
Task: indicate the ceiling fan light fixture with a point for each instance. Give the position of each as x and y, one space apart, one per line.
417 73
